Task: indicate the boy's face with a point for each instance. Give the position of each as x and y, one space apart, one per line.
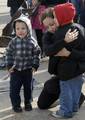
21 29
50 24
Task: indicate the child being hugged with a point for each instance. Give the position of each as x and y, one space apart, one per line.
69 55
22 59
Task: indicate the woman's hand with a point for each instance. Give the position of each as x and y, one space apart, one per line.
63 53
71 36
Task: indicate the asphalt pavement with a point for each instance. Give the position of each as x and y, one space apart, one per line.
41 76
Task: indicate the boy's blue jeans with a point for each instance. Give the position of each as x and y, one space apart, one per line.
70 95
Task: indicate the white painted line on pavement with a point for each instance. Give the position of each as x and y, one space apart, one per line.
6 117
5 109
40 71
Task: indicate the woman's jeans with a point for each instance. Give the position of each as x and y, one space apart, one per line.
70 95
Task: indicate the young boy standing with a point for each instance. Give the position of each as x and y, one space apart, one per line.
68 55
22 59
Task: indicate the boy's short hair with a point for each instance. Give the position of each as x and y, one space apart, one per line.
14 24
47 13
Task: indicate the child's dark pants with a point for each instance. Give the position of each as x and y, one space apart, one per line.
17 80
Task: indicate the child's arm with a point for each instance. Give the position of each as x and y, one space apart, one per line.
74 54
63 53
9 55
36 60
79 54
53 48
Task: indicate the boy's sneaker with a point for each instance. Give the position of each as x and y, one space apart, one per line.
28 107
57 115
17 109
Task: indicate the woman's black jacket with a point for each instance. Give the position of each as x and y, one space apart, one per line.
65 67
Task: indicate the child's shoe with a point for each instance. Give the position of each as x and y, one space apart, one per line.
28 107
57 115
17 109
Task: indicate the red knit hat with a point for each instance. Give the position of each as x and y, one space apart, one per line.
65 13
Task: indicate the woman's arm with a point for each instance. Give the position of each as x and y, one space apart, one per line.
52 47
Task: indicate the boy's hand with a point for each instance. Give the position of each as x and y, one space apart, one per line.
63 53
33 70
11 70
71 36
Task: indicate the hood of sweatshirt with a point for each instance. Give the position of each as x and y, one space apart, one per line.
26 20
